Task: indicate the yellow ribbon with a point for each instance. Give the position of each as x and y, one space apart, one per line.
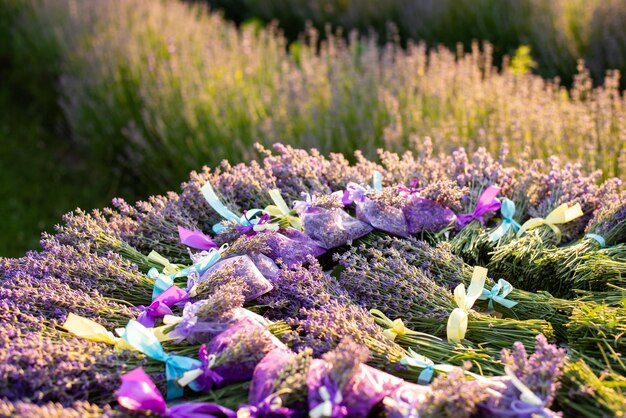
395 328
457 322
92 331
560 215
281 211
168 268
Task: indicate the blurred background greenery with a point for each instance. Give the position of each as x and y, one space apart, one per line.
104 98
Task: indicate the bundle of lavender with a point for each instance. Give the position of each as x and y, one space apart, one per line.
400 290
447 269
607 228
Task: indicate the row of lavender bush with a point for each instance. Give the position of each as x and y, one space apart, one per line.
163 87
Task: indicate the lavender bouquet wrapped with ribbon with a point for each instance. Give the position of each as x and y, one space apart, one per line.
234 353
238 268
340 385
382 209
327 223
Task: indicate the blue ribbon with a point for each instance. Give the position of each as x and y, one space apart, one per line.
428 366
162 282
498 293
507 210
144 341
598 238
377 180
201 266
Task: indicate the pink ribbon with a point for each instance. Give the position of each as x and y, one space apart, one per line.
487 202
138 393
195 239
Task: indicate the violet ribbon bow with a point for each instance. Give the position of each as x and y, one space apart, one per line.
412 189
271 406
331 406
138 393
195 239
354 193
251 228
203 378
487 202
160 306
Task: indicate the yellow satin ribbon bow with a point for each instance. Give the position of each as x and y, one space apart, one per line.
457 322
281 211
168 268
395 328
93 331
560 215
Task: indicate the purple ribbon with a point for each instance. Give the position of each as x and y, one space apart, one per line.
160 306
338 410
487 202
524 409
306 205
138 393
354 193
195 239
249 228
208 378
412 189
271 406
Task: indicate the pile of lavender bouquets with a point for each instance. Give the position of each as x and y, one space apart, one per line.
304 285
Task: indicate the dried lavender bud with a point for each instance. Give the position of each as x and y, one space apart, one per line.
291 380
333 228
78 409
239 269
345 360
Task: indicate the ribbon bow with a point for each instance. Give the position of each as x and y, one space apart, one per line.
162 282
271 406
168 268
412 189
354 193
428 366
395 327
144 341
457 322
377 180
160 306
560 215
205 263
263 224
331 402
92 331
498 293
487 202
306 205
195 239
188 324
203 378
507 210
138 393
281 211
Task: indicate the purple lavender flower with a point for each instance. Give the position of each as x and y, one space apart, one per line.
78 409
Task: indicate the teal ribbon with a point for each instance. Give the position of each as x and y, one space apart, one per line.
428 366
598 238
217 205
507 210
162 282
144 341
377 180
498 293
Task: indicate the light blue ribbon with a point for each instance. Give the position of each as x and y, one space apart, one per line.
598 238
162 282
428 366
201 266
498 293
377 180
217 205
144 341
507 210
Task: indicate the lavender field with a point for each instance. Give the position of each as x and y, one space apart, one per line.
282 219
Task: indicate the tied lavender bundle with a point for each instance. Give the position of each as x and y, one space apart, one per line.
606 229
560 206
78 409
447 269
403 291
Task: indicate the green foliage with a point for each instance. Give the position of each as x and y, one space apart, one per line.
522 62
